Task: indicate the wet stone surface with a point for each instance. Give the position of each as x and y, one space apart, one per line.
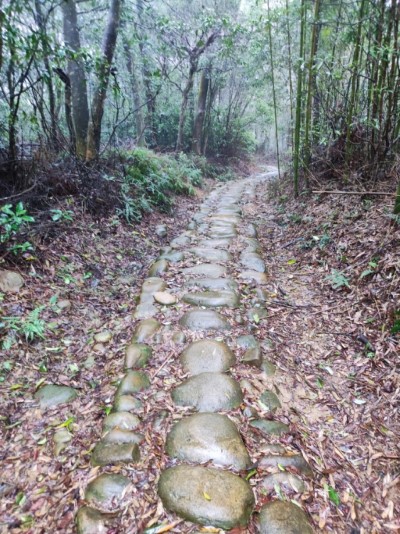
207 355
269 428
204 320
209 392
207 437
106 453
213 284
280 517
52 395
106 492
210 270
207 496
212 299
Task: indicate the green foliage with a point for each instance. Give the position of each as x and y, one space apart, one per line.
31 327
338 279
396 323
61 215
11 223
151 180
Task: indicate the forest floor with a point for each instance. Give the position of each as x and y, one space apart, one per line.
334 346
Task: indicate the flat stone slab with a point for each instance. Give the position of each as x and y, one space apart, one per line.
247 342
268 367
282 517
91 521
52 395
145 330
270 401
283 480
180 241
212 299
121 420
133 382
174 256
126 403
207 355
205 437
137 355
204 320
252 261
10 282
269 428
116 435
209 392
158 267
149 287
107 492
211 270
211 254
213 284
253 356
215 243
106 453
207 496
295 460
145 311
259 278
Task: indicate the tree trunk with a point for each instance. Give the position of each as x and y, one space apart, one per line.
137 102
76 74
100 92
200 114
299 94
49 74
184 103
273 89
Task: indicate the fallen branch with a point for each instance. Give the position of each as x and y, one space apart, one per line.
19 194
355 193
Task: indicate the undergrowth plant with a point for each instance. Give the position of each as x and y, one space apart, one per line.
31 327
12 220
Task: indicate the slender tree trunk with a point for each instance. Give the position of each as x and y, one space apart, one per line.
100 93
200 114
136 93
354 81
299 94
185 98
310 92
271 57
76 74
49 74
68 107
290 63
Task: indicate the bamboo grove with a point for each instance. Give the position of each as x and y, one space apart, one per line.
314 83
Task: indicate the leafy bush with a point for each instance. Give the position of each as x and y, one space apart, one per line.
31 327
150 180
11 223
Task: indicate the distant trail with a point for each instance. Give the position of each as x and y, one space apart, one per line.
198 376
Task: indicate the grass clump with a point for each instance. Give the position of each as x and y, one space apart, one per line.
150 181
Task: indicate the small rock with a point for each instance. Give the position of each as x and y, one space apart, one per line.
137 355
282 517
205 437
270 401
272 448
99 348
268 427
258 278
165 298
268 367
107 492
61 439
204 320
285 480
121 420
52 395
145 311
161 230
211 254
179 338
174 256
213 284
106 453
253 356
10 282
252 261
256 314
149 287
247 342
103 337
133 382
206 496
91 521
209 392
158 267
295 460
145 330
64 304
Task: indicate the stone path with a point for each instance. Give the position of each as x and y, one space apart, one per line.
205 480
